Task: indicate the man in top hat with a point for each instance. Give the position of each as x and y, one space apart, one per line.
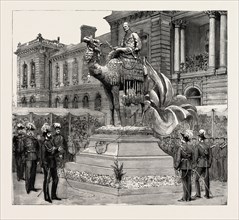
203 160
60 143
31 157
49 155
183 161
130 44
18 150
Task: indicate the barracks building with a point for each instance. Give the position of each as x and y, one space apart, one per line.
189 47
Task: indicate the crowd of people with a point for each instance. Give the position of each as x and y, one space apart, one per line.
51 154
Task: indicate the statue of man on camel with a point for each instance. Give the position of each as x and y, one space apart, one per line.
130 44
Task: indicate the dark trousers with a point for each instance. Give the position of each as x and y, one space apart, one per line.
187 184
19 167
48 173
199 172
30 174
223 165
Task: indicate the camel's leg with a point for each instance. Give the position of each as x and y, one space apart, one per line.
111 105
115 92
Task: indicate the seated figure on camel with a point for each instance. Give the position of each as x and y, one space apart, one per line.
130 45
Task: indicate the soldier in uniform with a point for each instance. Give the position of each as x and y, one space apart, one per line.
223 159
18 150
183 161
49 164
203 160
60 143
31 157
130 44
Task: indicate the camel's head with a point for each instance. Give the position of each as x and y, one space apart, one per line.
93 48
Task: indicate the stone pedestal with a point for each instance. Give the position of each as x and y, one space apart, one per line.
139 153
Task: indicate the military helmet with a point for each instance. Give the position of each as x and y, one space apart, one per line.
20 126
187 135
30 126
57 125
46 128
202 133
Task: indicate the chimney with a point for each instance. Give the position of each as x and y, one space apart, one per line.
58 39
87 31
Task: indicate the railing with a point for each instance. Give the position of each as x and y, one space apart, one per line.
43 41
195 63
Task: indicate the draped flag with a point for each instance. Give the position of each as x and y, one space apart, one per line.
164 110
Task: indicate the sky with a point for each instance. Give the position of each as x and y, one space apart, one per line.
51 24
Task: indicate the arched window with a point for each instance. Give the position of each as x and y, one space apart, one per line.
75 102
194 96
33 74
24 101
57 102
85 71
57 75
144 52
98 102
65 74
32 101
75 72
85 101
24 75
66 102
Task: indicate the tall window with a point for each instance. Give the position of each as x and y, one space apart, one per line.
57 102
144 52
32 101
24 75
85 72
33 74
98 102
75 102
75 72
85 101
57 75
24 101
65 74
66 102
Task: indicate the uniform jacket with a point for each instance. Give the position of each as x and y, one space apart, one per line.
223 150
18 144
184 157
203 155
31 148
59 141
49 154
132 41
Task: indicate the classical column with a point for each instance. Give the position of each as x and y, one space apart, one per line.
177 24
212 41
223 39
182 57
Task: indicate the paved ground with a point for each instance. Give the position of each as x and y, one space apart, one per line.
82 197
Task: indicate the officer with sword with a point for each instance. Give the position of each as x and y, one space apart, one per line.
49 164
183 161
203 159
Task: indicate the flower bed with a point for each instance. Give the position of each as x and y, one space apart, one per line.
127 182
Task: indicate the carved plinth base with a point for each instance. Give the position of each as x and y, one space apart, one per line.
139 153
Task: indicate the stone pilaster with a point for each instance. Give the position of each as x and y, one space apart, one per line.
223 40
182 41
212 39
177 24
